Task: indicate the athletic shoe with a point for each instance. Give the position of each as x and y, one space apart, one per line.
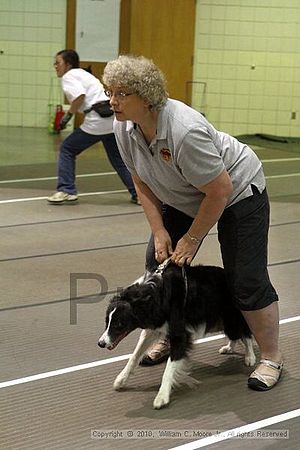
61 197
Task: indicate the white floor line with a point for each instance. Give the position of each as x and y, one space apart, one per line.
54 373
90 365
235 432
279 160
84 175
103 174
288 175
30 199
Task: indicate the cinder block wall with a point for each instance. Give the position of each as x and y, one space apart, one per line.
31 32
247 53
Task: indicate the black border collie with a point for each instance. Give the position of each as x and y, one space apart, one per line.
182 303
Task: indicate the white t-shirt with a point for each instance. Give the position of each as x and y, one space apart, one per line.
76 82
187 152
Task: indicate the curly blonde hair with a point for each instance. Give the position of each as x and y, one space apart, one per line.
139 75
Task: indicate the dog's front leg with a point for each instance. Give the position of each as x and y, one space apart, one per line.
250 357
172 371
147 338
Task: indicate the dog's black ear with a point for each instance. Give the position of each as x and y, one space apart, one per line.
141 304
148 311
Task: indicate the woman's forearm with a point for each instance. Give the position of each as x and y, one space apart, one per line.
151 205
208 215
217 194
75 105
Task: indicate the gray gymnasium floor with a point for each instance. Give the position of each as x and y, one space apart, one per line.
56 384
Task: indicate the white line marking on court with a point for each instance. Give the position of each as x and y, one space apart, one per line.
54 373
104 174
279 160
282 176
29 199
102 362
84 175
229 434
220 336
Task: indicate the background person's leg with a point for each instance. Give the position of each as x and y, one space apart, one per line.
72 146
113 154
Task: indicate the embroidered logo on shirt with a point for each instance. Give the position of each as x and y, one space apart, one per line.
165 154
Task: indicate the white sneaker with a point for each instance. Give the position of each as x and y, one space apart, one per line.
60 197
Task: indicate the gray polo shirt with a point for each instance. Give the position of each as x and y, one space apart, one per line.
187 153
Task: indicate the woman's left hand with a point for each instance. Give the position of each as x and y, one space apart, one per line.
185 251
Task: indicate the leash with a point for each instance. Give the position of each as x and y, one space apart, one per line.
162 267
184 276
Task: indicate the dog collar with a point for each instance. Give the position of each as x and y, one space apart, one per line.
162 267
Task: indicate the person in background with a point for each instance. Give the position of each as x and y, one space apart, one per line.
189 177
83 90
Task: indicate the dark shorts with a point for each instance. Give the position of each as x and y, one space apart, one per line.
243 236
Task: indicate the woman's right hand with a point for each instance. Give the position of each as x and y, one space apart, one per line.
162 245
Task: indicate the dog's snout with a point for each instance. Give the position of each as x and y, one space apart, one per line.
102 343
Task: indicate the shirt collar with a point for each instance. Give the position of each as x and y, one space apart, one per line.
162 123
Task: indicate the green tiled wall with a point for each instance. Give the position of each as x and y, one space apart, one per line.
31 32
246 51
248 54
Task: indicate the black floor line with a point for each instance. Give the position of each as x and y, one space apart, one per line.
92 298
70 252
49 222
71 220
97 297
95 249
293 222
282 263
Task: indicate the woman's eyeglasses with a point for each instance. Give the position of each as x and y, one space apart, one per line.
120 95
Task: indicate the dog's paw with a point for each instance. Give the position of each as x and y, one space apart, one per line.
250 360
161 400
226 350
120 382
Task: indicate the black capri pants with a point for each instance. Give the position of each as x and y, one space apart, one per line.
243 237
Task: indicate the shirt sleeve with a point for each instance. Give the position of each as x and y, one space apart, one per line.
72 87
198 158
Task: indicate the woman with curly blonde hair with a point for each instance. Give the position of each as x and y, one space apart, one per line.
189 177
139 75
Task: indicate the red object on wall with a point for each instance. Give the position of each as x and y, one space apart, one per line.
59 114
